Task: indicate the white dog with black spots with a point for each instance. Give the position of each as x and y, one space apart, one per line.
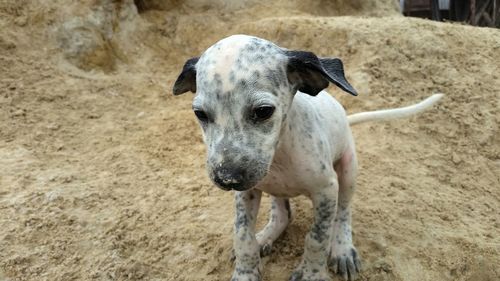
269 127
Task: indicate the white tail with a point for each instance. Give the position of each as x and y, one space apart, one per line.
395 113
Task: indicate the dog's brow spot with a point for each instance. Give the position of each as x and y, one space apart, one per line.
232 77
242 83
274 77
238 63
256 74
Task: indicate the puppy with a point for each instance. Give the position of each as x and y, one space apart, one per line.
269 127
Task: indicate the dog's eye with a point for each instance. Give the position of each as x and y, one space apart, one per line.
263 112
201 115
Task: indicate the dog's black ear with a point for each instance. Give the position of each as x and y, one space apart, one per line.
187 79
311 74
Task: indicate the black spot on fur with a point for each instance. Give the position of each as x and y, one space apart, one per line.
323 215
323 167
288 208
232 77
274 77
256 74
242 84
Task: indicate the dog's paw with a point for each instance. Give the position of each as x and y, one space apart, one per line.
241 274
265 250
345 262
304 273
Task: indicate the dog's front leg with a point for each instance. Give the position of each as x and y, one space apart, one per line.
246 248
317 243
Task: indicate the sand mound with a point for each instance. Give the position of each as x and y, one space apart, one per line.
102 169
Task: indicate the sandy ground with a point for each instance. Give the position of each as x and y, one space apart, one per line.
102 169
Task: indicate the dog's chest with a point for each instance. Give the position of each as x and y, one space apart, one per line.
291 177
279 185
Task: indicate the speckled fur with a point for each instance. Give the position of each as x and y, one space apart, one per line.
305 148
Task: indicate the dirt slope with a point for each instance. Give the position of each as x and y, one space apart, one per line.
102 169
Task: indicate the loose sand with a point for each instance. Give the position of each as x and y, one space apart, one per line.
102 169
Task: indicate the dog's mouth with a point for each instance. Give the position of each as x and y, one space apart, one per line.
236 176
231 184
235 188
228 181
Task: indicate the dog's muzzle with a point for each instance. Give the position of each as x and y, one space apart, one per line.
230 179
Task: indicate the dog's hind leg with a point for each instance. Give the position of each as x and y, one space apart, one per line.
344 258
279 219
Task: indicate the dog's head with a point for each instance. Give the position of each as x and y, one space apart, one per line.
244 88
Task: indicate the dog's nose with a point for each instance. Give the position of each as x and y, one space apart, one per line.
228 179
